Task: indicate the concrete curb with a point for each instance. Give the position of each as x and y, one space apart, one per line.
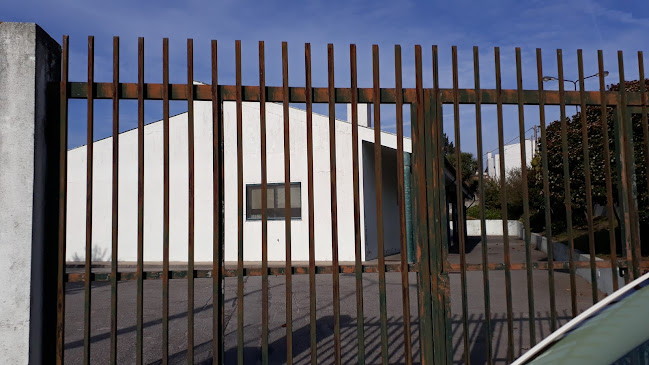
562 252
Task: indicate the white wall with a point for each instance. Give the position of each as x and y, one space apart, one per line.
512 158
203 189
494 227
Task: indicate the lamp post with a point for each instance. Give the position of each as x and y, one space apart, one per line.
574 82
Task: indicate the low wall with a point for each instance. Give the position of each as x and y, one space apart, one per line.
562 252
494 228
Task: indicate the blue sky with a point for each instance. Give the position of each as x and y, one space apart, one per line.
548 24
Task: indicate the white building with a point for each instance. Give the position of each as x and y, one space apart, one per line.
102 185
153 188
512 153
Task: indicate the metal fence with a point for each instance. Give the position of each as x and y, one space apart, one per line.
429 197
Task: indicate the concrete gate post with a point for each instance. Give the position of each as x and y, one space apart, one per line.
30 71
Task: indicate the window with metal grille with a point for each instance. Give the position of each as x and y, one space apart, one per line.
275 201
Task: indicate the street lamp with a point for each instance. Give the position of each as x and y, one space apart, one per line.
574 82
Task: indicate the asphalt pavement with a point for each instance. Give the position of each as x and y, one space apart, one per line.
100 325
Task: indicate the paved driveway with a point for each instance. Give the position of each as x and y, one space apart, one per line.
252 310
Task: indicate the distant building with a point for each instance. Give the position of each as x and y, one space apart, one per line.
512 158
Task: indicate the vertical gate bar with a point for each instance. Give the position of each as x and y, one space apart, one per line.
618 130
334 202
645 127
309 153
526 198
432 241
89 175
415 223
442 212
435 199
217 181
483 224
566 182
546 191
113 267
378 175
607 172
360 326
237 46
459 196
165 198
589 194
63 193
264 204
402 207
424 282
629 175
140 202
190 224
287 207
503 203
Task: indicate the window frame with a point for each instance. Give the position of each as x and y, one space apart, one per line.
273 186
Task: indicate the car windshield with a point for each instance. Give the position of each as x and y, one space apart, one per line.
616 333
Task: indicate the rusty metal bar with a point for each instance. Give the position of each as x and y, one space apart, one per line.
483 224
237 46
557 265
264 204
418 163
309 152
589 190
645 128
114 206
345 269
618 130
405 292
566 182
607 173
63 193
503 203
217 194
358 267
459 196
287 206
431 130
165 201
334 203
140 203
190 223
643 92
526 199
89 175
628 175
546 192
623 172
153 91
378 175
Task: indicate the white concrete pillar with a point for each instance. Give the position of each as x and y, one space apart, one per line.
364 115
30 72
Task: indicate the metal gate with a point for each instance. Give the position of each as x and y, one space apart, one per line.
430 200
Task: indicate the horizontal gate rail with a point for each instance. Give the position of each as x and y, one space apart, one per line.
343 269
320 95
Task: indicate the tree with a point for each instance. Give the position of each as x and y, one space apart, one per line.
514 190
596 142
468 162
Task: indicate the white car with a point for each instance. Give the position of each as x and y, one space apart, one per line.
614 331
